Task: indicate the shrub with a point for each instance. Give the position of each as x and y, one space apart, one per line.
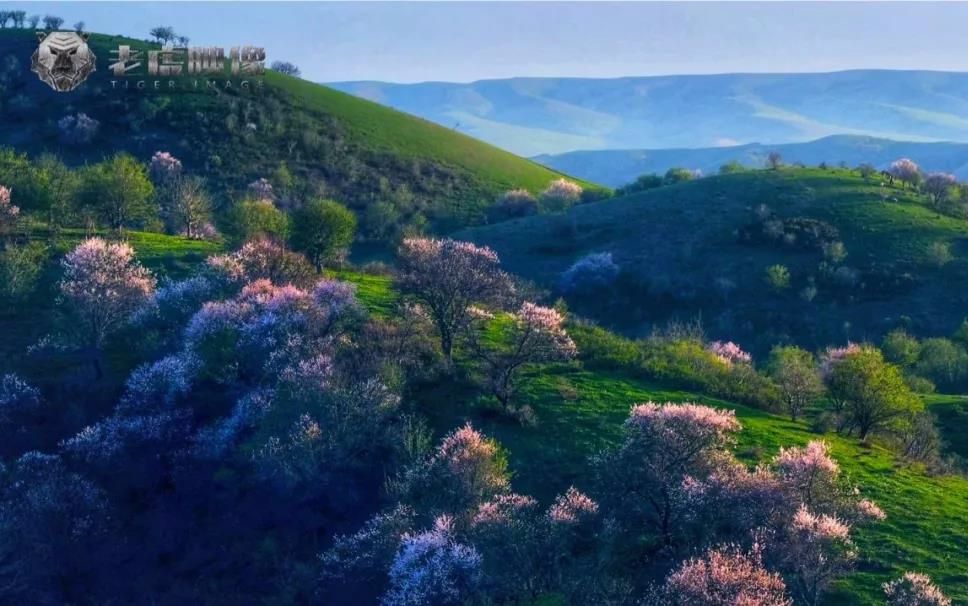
560 195
513 204
778 277
78 128
590 274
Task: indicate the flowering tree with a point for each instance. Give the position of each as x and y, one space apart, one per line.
8 212
464 471
816 550
939 185
560 194
261 189
534 334
906 171
663 445
164 166
103 285
914 589
795 372
447 277
432 567
723 577
810 473
261 259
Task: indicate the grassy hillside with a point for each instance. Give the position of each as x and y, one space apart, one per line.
616 167
678 244
325 141
580 411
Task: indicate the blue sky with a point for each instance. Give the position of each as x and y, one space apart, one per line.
412 42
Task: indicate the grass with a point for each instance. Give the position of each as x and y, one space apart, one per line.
581 412
375 292
952 414
677 242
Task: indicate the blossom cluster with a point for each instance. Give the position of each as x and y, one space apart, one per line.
730 353
914 589
724 576
432 567
8 212
164 166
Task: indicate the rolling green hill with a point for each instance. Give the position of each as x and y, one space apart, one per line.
697 249
616 167
328 142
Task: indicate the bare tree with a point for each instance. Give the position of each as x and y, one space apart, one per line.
287 68
774 160
163 33
52 22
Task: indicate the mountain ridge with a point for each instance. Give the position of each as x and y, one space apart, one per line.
539 115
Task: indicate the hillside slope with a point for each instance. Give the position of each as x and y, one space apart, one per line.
328 141
532 116
616 167
695 250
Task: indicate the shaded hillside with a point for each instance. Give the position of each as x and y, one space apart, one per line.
699 250
329 142
616 167
532 116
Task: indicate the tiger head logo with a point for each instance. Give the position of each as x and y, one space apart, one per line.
63 60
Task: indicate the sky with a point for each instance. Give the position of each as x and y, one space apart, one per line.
467 41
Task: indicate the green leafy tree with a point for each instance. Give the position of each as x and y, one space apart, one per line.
901 348
873 392
943 361
323 230
57 188
119 190
255 218
795 372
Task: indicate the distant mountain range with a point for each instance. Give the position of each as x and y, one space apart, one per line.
531 116
620 166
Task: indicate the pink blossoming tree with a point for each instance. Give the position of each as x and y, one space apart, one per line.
447 277
723 577
534 334
103 286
